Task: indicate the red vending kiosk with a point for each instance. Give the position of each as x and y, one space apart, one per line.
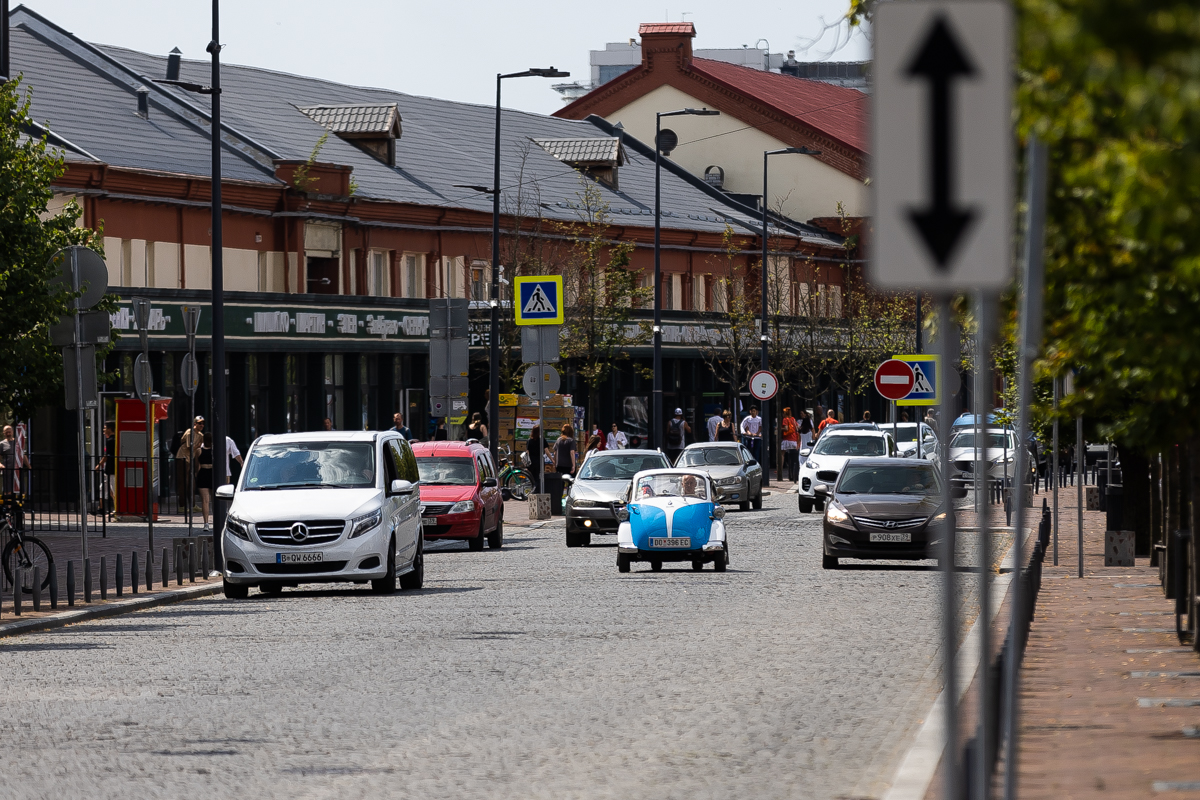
131 457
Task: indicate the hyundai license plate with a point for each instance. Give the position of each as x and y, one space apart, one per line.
891 537
673 543
299 558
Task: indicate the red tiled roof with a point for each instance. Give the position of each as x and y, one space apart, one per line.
838 112
666 27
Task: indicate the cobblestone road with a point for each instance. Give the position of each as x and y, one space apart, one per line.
532 672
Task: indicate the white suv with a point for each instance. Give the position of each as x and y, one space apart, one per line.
324 507
823 464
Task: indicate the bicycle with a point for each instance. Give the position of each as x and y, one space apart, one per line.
21 551
516 480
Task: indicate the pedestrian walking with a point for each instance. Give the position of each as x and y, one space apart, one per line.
12 460
231 452
830 419
476 429
533 449
328 424
565 453
190 444
789 443
725 429
603 439
439 430
676 438
617 440
805 425
713 423
595 445
204 476
752 433
107 467
399 426
866 417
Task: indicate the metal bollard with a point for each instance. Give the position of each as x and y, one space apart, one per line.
87 580
166 569
120 576
37 588
179 566
53 587
71 583
191 562
149 571
133 572
18 579
103 578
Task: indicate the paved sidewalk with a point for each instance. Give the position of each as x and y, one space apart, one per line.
1110 702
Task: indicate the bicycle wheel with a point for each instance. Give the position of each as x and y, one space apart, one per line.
26 554
519 483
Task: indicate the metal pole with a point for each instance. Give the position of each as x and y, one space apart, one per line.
79 414
494 336
986 313
896 426
191 481
1055 480
1030 343
657 402
948 345
765 430
542 428
218 288
1079 485
919 318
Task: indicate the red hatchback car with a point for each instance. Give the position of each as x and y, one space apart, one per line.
459 495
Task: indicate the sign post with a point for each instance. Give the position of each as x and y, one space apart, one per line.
539 307
190 378
449 337
764 385
894 379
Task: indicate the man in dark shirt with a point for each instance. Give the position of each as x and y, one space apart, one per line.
400 427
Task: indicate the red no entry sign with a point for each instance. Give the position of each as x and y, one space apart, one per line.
894 379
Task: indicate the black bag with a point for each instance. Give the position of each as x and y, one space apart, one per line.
675 433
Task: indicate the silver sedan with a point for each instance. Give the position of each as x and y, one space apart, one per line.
736 475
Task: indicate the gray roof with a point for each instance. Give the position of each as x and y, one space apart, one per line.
584 151
382 119
87 94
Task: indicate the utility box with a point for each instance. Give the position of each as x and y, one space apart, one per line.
539 506
1118 549
132 448
1091 498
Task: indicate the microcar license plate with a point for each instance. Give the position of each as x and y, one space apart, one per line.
891 537
673 543
299 558
429 522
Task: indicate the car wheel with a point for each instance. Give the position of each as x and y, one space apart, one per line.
475 545
623 562
416 579
496 537
271 588
387 584
829 562
235 591
806 505
758 500
744 505
578 538
656 566
819 506
697 566
722 560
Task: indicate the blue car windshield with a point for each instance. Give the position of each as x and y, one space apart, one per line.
670 486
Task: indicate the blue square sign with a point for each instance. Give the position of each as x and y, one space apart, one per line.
539 300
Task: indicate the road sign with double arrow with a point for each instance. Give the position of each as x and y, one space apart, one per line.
942 158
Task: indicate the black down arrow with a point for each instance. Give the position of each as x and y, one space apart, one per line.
940 61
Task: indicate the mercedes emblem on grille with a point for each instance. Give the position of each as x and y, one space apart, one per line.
299 532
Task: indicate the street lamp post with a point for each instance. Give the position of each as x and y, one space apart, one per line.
764 338
494 337
662 147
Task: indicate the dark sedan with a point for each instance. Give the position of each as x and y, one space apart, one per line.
884 508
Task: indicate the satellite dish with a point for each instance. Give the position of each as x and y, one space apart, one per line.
667 141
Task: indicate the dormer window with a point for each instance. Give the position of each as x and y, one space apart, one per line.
371 128
597 158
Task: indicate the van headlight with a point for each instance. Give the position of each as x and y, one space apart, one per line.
462 507
360 525
239 527
835 513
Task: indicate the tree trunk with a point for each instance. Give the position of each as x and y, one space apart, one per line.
1135 494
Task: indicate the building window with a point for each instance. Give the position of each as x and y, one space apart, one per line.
294 390
335 386
835 301
377 278
479 281
127 262
263 285
414 275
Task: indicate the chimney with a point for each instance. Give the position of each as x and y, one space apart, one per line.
173 59
143 97
671 41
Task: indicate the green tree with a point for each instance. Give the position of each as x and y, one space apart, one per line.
30 367
733 347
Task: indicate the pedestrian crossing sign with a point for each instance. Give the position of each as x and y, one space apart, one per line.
926 372
539 300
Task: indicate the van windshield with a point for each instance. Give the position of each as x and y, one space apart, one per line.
447 471
311 465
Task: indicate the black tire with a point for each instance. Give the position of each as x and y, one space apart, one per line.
722 560
656 566
697 566
744 505
475 545
235 591
519 484
829 562
387 584
819 506
496 537
35 553
806 505
623 562
578 538
412 581
758 501
271 588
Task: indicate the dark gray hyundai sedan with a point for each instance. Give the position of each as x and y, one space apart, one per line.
884 508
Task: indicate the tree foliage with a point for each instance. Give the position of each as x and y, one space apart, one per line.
30 367
732 348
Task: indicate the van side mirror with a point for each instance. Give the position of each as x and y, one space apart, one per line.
567 480
402 487
805 452
224 492
489 482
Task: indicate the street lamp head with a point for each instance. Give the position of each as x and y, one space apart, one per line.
800 151
548 72
702 112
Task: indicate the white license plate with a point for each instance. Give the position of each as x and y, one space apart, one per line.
891 537
429 522
674 543
299 558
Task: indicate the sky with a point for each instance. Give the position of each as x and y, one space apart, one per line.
450 49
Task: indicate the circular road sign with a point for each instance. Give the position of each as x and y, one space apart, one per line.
764 384
894 379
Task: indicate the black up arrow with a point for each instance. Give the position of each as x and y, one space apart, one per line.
940 61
